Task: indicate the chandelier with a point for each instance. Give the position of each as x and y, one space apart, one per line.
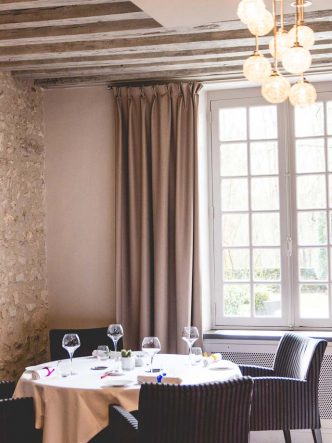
288 49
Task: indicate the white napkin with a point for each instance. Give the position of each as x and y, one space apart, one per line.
154 379
207 361
38 372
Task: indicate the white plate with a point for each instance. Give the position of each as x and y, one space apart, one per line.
117 383
221 366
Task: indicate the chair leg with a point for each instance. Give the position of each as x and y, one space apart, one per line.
287 436
316 433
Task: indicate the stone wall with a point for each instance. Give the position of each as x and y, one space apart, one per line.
23 291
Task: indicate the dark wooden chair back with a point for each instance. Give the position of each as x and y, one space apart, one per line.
90 339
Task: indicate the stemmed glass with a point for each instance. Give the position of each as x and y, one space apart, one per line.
70 343
151 345
190 334
115 332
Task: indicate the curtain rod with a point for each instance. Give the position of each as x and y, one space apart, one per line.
148 83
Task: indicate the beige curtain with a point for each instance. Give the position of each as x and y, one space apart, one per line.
158 281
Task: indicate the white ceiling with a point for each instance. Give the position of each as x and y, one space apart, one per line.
184 13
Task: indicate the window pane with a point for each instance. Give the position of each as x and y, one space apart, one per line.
263 122
311 192
234 194
330 190
313 264
237 300
232 124
264 193
235 230
314 301
264 158
236 264
266 264
310 155
329 151
309 121
312 228
329 117
267 300
233 159
265 229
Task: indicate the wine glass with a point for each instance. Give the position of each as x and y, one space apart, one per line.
115 332
70 343
190 334
151 345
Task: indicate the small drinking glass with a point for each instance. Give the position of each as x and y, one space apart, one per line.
63 368
196 356
70 343
190 334
115 332
103 352
151 345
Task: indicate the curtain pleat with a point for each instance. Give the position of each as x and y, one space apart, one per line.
158 279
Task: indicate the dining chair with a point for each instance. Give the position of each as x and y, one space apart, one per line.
90 339
285 397
17 417
204 413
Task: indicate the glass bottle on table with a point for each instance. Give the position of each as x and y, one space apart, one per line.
190 334
70 343
151 345
115 332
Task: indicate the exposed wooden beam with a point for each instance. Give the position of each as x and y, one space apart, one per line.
175 42
64 15
134 28
81 32
11 5
175 66
200 74
148 58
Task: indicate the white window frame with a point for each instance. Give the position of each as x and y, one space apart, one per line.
288 213
323 95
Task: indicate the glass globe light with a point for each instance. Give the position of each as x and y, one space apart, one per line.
306 36
276 88
249 10
257 68
296 59
282 43
302 93
261 24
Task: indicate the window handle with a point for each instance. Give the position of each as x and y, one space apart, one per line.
289 246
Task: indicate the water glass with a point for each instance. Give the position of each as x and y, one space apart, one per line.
196 356
63 368
103 352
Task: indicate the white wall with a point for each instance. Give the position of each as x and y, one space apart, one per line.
80 207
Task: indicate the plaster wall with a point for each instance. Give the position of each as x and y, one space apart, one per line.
80 200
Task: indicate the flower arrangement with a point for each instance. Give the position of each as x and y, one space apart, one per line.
126 353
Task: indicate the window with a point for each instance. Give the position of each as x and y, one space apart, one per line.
272 212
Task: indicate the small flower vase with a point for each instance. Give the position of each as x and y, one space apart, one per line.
128 363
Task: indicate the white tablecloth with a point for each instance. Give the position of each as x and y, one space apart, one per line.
74 409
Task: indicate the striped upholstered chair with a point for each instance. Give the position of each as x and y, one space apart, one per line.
206 413
17 417
286 396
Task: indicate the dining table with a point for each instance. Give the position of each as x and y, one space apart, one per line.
73 409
